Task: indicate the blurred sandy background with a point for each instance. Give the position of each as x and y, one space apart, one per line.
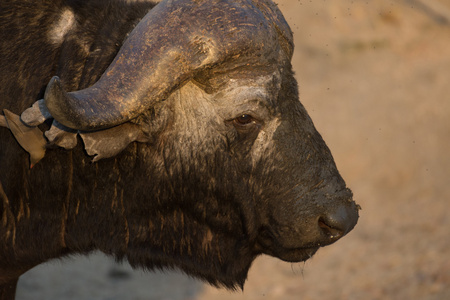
375 78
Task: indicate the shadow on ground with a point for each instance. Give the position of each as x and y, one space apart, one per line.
99 277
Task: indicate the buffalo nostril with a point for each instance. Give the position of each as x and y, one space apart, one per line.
331 231
338 223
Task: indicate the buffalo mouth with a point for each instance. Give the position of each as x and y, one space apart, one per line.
268 244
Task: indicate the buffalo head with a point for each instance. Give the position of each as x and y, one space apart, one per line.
227 155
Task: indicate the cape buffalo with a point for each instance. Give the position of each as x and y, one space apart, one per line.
168 135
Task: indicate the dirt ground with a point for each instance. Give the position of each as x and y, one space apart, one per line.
375 78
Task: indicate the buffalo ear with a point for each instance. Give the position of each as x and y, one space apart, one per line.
101 144
30 138
110 142
61 136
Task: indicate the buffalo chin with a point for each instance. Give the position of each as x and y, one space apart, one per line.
268 244
293 255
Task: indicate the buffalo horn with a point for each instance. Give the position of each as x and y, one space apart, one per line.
176 39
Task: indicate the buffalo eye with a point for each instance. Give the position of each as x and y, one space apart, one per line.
246 123
243 119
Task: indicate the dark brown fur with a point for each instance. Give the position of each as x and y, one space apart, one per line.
33 206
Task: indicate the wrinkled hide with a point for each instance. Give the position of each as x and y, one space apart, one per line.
204 158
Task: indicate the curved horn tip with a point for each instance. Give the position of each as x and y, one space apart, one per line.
57 102
53 92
